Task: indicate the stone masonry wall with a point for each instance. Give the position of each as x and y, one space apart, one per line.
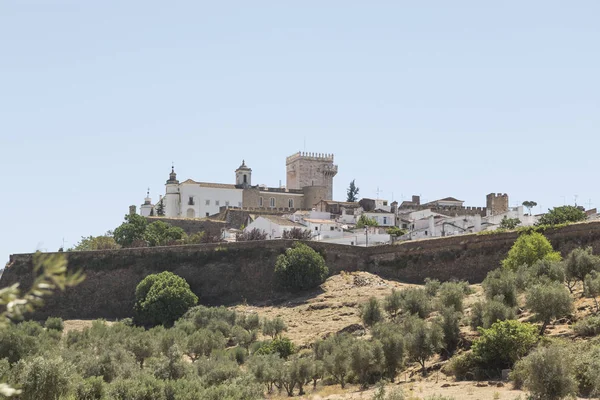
236 272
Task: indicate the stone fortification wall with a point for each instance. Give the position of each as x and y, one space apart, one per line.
235 272
191 226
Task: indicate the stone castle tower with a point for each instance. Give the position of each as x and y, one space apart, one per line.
311 169
497 203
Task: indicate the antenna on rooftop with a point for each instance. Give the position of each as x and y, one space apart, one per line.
589 204
378 192
575 197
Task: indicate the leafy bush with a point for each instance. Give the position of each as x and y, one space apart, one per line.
562 215
528 249
44 378
484 314
591 285
90 389
463 366
370 312
548 301
546 271
366 360
392 303
273 327
548 372
416 302
254 234
300 268
15 344
501 282
589 326
423 339
296 234
432 286
392 342
160 233
281 345
449 321
451 294
162 299
505 342
587 368
578 264
55 323
131 230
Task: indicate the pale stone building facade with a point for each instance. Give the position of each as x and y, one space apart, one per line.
309 180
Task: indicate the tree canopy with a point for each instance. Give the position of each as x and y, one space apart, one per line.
131 230
352 192
301 268
161 299
562 215
528 249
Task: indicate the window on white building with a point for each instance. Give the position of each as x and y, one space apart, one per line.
260 201
291 203
239 204
385 220
208 202
227 203
316 228
191 201
272 202
332 228
217 203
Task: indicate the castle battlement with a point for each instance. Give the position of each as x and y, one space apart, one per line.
309 156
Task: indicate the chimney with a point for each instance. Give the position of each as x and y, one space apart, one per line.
416 200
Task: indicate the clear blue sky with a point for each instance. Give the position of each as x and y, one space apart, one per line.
438 98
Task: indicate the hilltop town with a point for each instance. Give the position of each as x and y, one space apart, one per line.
303 208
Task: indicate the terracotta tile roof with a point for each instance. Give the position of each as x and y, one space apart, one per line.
276 219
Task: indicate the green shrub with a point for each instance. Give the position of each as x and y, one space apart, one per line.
392 303
432 286
392 342
273 327
300 268
528 249
370 312
143 387
15 344
587 368
549 301
547 270
366 360
415 301
44 378
422 339
449 321
578 264
281 345
501 282
203 342
55 323
589 326
548 372
162 298
562 215
463 366
451 294
90 389
505 342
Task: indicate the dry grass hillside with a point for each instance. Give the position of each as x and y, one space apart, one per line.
335 307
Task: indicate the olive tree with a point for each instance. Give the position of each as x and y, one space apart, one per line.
549 301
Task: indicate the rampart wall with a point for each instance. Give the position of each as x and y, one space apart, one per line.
236 272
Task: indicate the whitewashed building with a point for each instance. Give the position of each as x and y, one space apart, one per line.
273 225
382 217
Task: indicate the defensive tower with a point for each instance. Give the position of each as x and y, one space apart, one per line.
311 169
